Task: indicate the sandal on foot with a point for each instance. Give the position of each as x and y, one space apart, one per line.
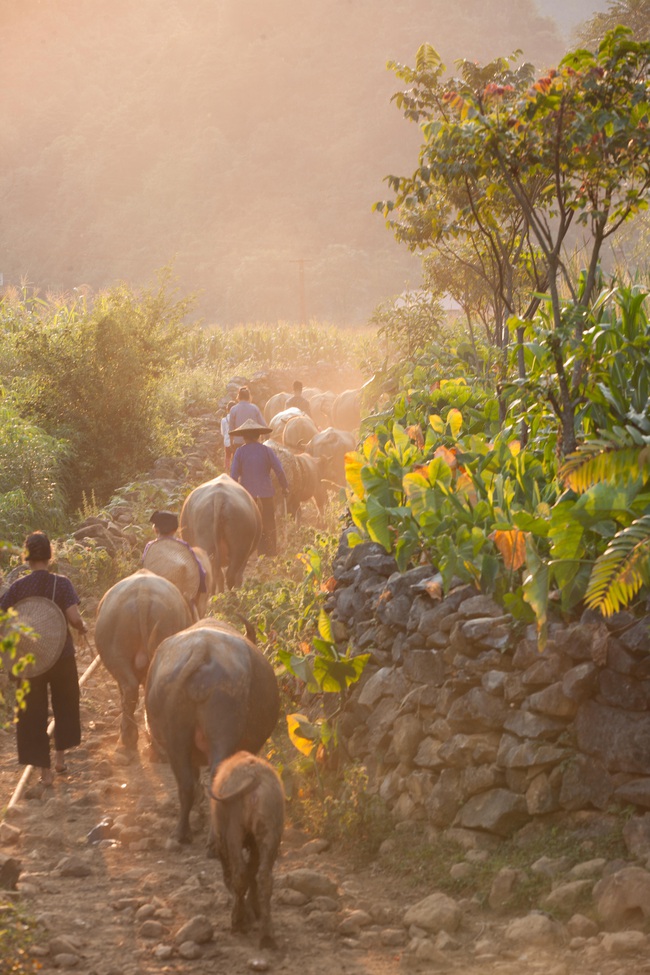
61 769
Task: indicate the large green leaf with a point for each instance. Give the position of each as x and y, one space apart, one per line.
536 590
325 626
621 570
377 524
302 733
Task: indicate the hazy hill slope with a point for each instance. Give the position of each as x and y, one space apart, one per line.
570 13
232 138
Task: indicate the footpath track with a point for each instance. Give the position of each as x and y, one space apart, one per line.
136 903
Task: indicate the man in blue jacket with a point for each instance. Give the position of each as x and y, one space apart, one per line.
252 466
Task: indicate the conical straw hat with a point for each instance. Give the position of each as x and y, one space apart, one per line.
170 558
250 426
50 633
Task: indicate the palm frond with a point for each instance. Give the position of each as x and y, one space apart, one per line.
621 570
599 461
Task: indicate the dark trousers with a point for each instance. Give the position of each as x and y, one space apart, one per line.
31 728
268 541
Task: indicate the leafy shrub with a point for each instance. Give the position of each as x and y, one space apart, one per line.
13 663
16 935
31 465
348 814
89 375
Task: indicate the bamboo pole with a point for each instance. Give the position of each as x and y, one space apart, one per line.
50 728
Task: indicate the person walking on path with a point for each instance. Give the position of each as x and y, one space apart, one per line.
251 466
243 410
225 433
61 679
298 400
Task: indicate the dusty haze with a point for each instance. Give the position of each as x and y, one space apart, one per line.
229 138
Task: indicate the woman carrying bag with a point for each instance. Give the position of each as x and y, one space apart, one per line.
60 678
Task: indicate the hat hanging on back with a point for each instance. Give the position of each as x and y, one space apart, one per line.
165 521
250 426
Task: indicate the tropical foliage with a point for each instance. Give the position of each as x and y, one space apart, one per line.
441 479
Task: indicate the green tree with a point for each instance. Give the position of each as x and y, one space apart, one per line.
634 14
572 148
480 244
408 323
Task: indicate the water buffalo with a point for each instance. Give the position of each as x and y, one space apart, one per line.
275 405
247 819
220 517
329 447
346 410
163 559
321 407
298 432
134 616
278 422
209 693
303 475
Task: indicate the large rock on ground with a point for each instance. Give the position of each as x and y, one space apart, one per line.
622 899
535 929
435 913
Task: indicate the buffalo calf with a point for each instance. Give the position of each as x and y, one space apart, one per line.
247 819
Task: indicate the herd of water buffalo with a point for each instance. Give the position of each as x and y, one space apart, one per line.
211 697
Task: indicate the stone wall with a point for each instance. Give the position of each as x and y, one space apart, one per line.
464 724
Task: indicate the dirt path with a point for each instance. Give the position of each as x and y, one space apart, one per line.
116 907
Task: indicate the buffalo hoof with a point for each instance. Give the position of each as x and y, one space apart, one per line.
155 756
268 941
123 756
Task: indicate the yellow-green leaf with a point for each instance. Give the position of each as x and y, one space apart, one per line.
455 421
299 728
353 466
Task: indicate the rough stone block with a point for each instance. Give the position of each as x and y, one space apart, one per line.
619 739
497 811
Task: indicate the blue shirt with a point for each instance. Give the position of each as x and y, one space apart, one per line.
242 411
42 583
252 466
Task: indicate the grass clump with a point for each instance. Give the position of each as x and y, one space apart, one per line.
339 808
421 860
16 937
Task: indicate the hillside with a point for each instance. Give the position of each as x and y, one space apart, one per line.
570 15
229 139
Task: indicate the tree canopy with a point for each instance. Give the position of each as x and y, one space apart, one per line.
508 163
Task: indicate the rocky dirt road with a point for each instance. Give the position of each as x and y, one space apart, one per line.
136 902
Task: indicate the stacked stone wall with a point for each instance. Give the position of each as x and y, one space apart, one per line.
462 723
